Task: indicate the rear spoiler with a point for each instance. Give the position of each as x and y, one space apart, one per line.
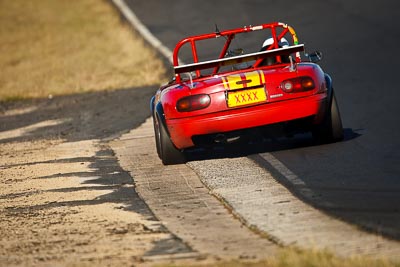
238 59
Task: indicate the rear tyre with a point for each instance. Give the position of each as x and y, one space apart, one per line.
166 150
330 130
157 136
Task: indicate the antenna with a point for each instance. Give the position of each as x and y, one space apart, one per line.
217 30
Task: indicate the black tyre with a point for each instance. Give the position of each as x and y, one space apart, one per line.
166 150
330 129
157 136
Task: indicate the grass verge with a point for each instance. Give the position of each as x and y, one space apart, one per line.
62 47
289 257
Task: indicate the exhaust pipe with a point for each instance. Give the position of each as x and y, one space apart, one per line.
223 139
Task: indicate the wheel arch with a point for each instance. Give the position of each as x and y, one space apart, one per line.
152 104
159 110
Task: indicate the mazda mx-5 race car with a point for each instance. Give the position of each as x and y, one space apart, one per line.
251 81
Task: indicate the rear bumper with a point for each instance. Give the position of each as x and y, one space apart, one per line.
182 130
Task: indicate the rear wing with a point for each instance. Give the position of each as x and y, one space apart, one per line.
238 59
276 30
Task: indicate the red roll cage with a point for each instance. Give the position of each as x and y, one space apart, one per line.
277 31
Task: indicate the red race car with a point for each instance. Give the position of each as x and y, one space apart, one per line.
222 94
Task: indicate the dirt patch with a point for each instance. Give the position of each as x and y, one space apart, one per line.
64 199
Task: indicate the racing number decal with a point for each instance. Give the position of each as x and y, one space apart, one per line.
230 82
243 80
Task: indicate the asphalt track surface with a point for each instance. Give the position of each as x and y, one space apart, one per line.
357 180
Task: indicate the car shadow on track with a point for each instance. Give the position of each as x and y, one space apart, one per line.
235 150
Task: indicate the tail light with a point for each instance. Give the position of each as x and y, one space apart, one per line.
300 84
192 103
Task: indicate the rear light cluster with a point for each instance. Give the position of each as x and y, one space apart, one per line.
300 84
192 103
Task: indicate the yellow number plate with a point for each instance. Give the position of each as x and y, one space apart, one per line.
246 97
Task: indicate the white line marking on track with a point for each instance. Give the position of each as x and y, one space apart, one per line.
135 22
282 169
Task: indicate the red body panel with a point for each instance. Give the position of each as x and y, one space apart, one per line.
181 130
